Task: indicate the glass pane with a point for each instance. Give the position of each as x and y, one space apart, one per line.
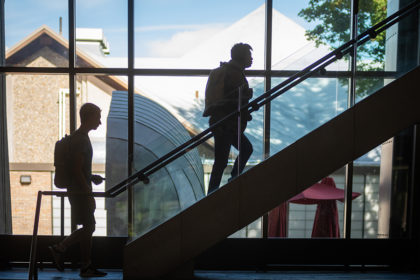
171 189
101 34
304 108
307 216
109 143
382 180
304 33
371 13
34 120
168 112
370 55
36 41
183 34
365 208
394 51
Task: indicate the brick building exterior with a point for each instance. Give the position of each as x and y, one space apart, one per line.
35 121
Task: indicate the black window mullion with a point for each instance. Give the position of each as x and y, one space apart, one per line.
267 87
130 108
72 80
72 60
351 101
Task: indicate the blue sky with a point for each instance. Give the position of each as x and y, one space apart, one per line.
157 21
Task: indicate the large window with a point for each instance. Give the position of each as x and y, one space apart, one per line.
146 63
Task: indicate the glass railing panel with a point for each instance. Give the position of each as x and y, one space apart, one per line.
101 34
169 35
36 41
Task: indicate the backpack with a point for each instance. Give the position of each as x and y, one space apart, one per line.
62 163
214 95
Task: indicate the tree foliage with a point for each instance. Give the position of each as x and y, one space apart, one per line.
332 18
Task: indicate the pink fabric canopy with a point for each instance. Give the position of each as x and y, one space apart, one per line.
325 195
277 221
326 190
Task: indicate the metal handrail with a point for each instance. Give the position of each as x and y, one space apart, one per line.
33 272
318 66
142 175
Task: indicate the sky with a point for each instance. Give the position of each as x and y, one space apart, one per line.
163 28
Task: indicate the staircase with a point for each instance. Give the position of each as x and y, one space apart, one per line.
346 137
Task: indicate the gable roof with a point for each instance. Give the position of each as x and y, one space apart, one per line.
44 36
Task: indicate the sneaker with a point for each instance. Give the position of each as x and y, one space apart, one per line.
91 272
57 257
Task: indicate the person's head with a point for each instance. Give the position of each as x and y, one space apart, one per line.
241 53
90 115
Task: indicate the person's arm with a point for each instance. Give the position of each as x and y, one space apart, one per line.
78 172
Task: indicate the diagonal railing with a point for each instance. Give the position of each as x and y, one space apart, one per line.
316 67
143 175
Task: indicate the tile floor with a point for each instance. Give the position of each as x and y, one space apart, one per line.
47 274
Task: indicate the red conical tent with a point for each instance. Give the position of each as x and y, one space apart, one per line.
324 194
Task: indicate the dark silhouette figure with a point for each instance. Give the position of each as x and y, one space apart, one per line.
80 193
224 87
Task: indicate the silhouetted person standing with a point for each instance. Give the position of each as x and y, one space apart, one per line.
80 193
222 96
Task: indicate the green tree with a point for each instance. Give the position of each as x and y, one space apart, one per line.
332 19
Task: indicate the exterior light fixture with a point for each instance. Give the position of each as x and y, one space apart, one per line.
25 179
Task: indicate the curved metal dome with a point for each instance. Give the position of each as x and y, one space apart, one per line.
171 189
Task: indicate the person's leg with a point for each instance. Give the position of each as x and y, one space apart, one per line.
58 250
222 143
87 270
70 240
86 244
88 222
79 207
244 155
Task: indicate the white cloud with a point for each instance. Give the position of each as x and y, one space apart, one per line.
182 42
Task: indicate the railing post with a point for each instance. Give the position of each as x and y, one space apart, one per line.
62 215
351 101
238 160
33 272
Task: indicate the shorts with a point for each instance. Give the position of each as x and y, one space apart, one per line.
83 209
